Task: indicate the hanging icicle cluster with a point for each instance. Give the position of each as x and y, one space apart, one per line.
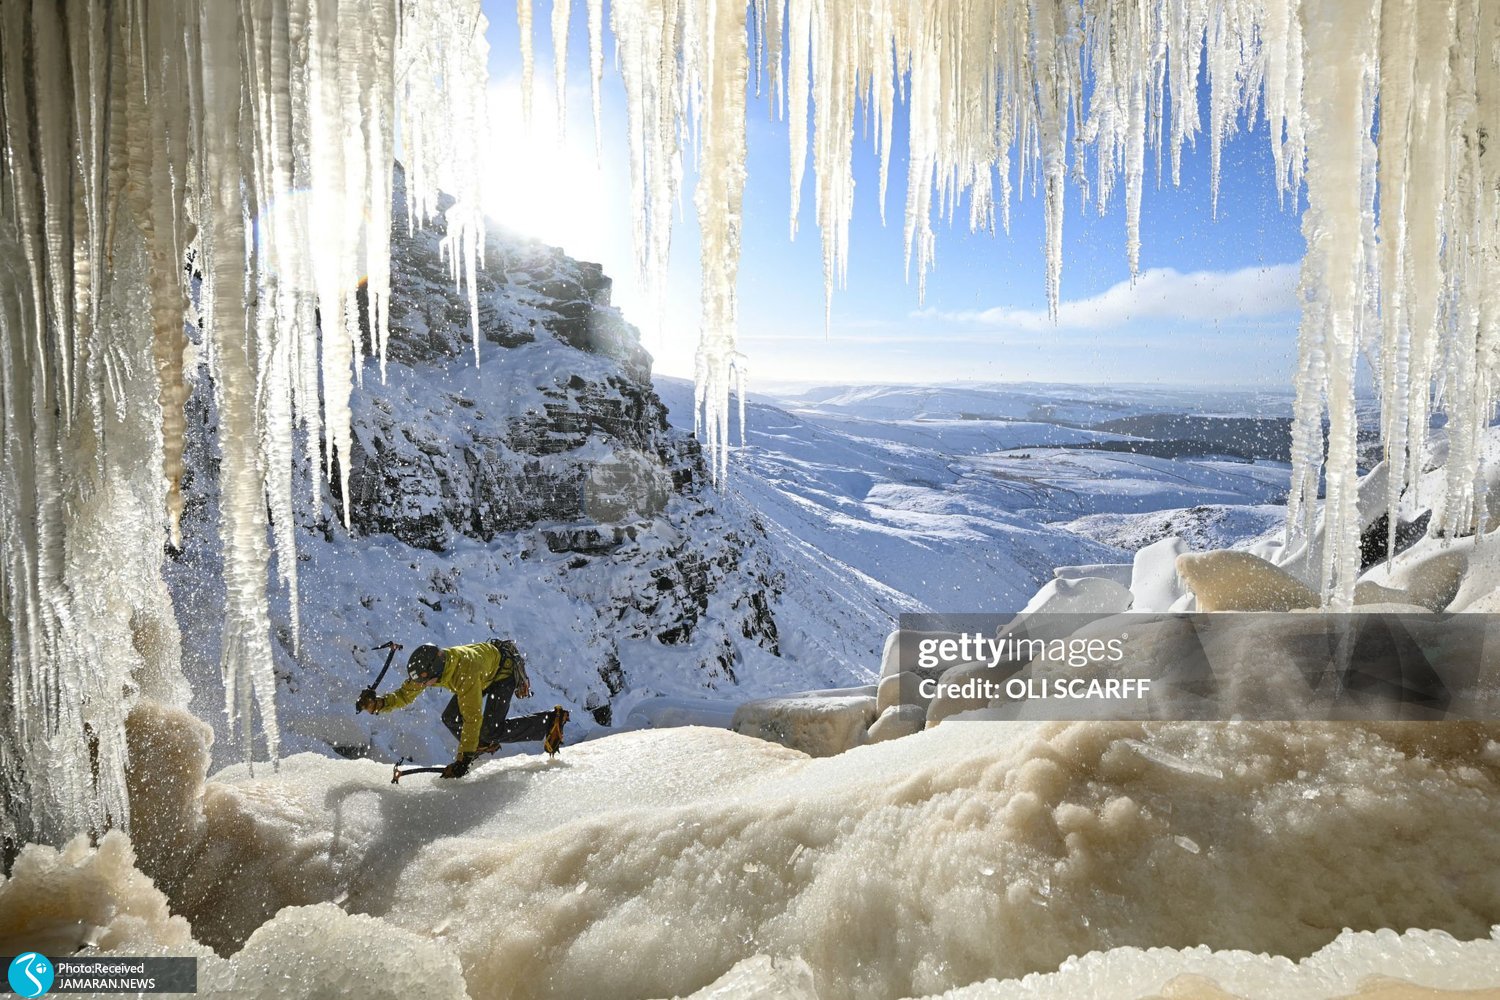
1006 93
260 136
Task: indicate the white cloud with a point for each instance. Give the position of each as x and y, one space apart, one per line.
1160 293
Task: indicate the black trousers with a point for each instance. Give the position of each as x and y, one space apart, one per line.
496 728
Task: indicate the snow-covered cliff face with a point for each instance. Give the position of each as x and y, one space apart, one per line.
558 425
540 495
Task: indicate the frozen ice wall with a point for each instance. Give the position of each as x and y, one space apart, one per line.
1048 92
136 137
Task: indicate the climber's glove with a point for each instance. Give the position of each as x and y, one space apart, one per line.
459 767
369 701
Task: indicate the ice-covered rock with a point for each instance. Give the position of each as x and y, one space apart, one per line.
1227 580
1259 667
897 721
562 426
898 686
953 689
1153 576
818 723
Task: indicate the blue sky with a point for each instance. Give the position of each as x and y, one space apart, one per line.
1215 303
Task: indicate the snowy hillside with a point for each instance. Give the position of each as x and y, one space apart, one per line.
949 499
540 496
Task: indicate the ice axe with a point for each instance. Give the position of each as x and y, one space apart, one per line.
393 646
397 773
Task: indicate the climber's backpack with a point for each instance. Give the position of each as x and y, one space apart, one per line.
512 661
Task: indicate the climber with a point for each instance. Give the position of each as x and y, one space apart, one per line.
482 676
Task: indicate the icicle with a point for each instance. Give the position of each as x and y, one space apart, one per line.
136 137
799 52
1398 50
560 14
647 37
1050 52
596 68
248 677
1339 109
741 372
721 183
528 61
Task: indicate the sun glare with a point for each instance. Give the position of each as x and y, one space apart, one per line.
565 194
539 186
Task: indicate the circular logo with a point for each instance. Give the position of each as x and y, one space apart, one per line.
31 974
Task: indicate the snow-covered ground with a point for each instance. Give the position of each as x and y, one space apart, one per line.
1101 860
653 864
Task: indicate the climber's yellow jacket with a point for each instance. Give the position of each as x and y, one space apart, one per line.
467 671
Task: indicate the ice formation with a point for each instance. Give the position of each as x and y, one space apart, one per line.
657 863
255 140
1002 93
1227 580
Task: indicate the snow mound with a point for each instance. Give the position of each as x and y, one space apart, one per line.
897 721
762 978
653 863
901 683
1089 595
58 901
94 901
1118 572
1416 965
313 952
1430 576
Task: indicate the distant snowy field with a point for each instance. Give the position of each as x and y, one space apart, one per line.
949 499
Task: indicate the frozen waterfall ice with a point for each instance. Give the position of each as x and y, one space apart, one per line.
134 133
